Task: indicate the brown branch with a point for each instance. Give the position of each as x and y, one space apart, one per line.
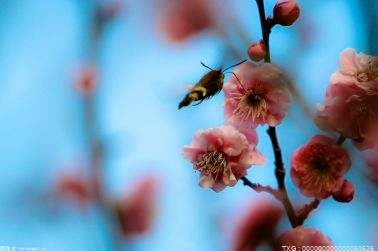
280 176
266 26
340 140
96 145
260 188
306 210
279 170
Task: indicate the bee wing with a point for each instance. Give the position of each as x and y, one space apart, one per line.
182 90
177 92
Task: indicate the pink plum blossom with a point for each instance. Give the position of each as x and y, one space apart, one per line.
371 160
222 155
74 187
352 112
257 96
184 18
301 236
86 79
318 168
136 210
257 225
357 69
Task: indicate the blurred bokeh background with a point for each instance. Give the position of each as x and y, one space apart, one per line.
88 112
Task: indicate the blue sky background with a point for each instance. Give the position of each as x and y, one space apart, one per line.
143 78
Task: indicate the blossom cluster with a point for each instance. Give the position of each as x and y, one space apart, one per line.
351 101
350 109
254 95
257 94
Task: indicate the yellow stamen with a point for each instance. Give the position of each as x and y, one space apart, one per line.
252 104
212 163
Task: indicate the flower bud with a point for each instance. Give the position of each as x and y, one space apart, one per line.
257 51
286 13
85 79
346 192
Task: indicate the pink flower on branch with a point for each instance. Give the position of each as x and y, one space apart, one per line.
301 236
371 160
185 18
222 155
74 187
358 69
318 168
257 96
352 112
86 79
136 211
258 225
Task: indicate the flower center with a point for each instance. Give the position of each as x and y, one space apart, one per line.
252 104
371 71
212 163
363 76
320 173
320 164
358 109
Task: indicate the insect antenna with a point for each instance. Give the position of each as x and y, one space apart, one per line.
238 80
234 65
206 66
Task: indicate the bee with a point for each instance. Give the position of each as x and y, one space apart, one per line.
209 85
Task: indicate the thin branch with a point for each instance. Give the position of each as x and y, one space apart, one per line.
266 26
280 176
280 170
340 140
96 145
260 188
306 210
265 29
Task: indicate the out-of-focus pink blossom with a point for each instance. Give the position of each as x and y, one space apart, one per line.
85 79
73 187
257 51
357 69
184 18
346 192
301 236
371 160
112 9
257 96
286 13
136 211
222 155
318 167
352 112
258 225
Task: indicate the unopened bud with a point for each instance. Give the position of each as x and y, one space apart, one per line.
86 78
346 192
286 13
257 51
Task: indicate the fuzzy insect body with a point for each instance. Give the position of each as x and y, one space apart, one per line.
209 85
